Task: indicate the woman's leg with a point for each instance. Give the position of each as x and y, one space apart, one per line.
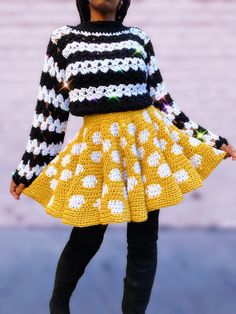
82 245
141 263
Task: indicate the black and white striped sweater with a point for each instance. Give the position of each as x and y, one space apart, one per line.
96 67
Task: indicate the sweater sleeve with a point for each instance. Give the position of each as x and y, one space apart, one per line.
50 117
163 100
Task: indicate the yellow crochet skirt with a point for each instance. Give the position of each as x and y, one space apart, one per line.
119 166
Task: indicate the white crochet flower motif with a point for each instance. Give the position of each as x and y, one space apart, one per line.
50 201
146 116
164 170
140 152
196 160
123 142
76 201
55 160
131 128
137 168
143 136
167 121
89 181
79 169
194 141
96 156
153 190
175 136
156 142
115 155
116 206
181 176
65 160
218 151
53 184
134 150
114 129
106 145
157 114
51 171
78 148
97 203
177 149
125 193
156 127
96 137
131 183
104 189
162 144
115 174
65 175
153 159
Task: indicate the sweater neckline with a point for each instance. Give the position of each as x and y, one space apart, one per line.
101 25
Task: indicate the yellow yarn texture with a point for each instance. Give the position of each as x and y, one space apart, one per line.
121 165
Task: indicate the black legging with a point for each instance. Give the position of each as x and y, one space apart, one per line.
83 244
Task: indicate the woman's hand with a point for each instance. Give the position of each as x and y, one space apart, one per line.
16 190
230 150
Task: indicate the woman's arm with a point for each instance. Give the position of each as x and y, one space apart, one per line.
163 100
50 116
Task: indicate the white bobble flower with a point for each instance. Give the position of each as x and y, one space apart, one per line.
164 170
146 116
131 183
123 142
140 152
156 127
78 148
106 145
96 156
89 181
53 184
143 136
97 203
96 137
153 159
162 144
65 160
51 171
115 155
177 149
153 190
196 160
76 201
116 206
175 136
134 150
79 169
156 142
65 175
137 168
114 129
131 128
181 176
115 175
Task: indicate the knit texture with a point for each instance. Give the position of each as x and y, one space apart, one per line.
105 67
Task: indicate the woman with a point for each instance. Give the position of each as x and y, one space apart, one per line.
136 152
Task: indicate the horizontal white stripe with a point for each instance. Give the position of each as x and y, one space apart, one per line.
51 97
42 148
47 123
102 47
51 67
152 66
93 93
159 90
87 66
28 172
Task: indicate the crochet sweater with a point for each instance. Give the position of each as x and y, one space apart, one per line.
96 67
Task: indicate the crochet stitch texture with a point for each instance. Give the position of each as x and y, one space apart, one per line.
135 139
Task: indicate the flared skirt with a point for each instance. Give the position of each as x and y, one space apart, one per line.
121 165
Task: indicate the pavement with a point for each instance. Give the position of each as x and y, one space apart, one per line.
196 271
